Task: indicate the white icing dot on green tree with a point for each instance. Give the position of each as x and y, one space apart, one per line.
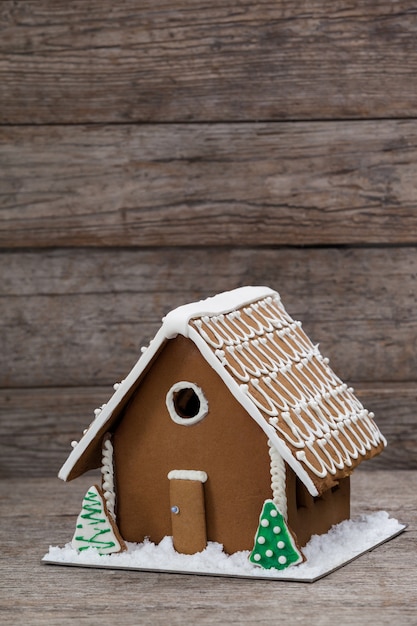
267 552
93 528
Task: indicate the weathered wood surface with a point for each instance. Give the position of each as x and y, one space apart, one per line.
222 184
263 127
66 62
37 425
378 588
79 318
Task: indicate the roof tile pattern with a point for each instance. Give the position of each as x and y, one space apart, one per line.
282 372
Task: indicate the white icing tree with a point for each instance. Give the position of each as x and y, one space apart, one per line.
274 545
94 528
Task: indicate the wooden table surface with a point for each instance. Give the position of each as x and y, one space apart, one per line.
378 588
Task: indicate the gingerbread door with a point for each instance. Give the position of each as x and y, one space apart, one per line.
188 514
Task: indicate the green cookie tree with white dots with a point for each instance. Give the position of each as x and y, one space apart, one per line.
274 544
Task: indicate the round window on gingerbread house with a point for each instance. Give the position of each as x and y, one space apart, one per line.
186 403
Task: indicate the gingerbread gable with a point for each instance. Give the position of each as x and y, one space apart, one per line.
308 414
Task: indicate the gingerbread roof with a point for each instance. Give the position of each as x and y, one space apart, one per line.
278 375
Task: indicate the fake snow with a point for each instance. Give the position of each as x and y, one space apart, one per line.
324 553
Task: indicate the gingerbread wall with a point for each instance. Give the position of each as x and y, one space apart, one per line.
309 516
227 444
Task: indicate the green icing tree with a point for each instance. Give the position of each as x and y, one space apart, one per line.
94 528
274 545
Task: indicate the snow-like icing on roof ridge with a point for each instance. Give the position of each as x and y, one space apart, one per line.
176 321
274 371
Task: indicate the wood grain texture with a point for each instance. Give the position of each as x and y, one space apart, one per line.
38 425
66 62
80 319
377 588
155 153
224 184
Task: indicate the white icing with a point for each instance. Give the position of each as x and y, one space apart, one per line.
270 366
278 481
170 403
198 475
176 322
107 471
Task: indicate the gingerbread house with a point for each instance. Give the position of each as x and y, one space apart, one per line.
230 406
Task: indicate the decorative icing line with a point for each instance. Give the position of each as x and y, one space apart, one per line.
278 480
284 375
198 475
215 329
107 471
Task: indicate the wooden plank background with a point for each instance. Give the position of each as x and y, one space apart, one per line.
154 153
163 60
292 183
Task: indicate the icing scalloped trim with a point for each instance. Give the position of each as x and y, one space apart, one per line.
107 471
278 479
284 376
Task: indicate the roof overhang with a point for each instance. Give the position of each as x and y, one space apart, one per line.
176 323
185 321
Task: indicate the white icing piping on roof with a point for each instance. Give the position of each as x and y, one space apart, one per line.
309 400
176 321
